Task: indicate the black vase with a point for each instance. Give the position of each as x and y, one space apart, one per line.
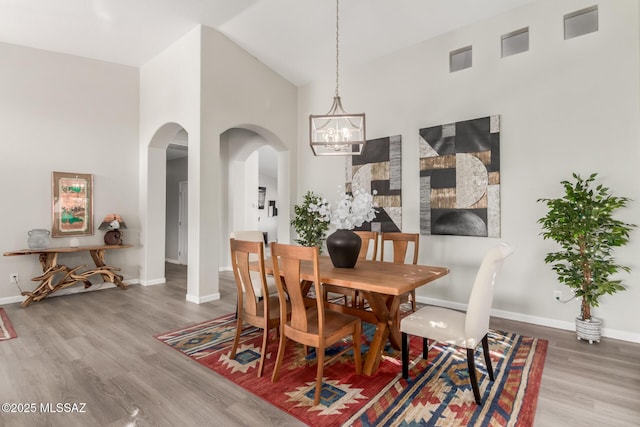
344 247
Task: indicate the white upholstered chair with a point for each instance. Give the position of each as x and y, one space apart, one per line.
466 330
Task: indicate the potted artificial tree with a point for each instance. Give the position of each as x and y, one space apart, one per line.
582 223
310 222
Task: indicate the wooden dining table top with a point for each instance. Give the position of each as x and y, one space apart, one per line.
381 284
371 276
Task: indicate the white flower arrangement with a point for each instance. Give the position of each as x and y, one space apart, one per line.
351 211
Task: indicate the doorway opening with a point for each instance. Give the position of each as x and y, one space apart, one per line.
252 188
214 191
176 217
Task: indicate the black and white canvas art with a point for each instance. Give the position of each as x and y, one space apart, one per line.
460 178
379 168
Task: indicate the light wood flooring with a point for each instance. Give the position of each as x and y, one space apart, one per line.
98 348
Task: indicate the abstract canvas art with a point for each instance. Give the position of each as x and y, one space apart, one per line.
379 168
460 178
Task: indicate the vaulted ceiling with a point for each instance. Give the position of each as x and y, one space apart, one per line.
296 38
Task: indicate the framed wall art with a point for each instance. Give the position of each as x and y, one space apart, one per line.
262 193
460 178
379 168
72 204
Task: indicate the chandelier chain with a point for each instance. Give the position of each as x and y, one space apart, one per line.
337 45
337 133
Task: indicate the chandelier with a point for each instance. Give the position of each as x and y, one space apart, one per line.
337 133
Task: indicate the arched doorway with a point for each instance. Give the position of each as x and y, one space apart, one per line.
251 161
209 205
177 219
154 203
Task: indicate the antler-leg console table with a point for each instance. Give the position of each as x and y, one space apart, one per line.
56 276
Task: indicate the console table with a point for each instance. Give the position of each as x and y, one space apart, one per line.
56 276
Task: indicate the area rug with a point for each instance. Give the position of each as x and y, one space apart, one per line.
437 394
6 328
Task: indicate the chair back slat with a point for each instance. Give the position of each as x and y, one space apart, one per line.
287 260
243 252
400 245
369 240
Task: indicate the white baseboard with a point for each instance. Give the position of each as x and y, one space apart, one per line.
11 300
153 282
80 289
202 300
535 320
171 261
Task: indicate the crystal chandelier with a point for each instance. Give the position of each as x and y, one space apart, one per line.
337 133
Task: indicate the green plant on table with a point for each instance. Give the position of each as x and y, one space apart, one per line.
309 222
582 223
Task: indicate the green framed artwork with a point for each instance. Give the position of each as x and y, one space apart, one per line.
72 204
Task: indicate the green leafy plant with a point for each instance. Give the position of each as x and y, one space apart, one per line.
309 222
582 223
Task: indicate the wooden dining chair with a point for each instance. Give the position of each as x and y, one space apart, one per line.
310 326
466 330
262 312
256 236
400 243
369 246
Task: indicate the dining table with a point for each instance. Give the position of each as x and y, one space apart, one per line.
382 284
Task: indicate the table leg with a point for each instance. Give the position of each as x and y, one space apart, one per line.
48 260
106 271
50 268
55 277
386 309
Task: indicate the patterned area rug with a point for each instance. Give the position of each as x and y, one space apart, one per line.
6 329
437 394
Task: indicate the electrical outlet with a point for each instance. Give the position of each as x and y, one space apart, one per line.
13 278
557 295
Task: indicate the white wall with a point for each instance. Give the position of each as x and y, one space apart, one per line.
238 92
169 101
249 192
207 84
67 114
566 106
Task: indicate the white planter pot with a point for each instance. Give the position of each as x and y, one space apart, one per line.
589 330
